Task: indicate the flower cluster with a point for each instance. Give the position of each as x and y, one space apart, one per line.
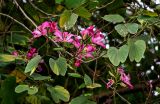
31 53
84 50
125 78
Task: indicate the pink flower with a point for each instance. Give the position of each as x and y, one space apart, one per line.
44 28
98 39
31 53
63 36
15 53
125 78
77 63
89 31
110 83
76 41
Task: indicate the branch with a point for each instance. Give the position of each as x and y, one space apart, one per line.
16 21
25 14
106 5
34 6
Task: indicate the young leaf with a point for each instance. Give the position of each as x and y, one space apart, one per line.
87 80
59 93
121 29
94 85
33 64
115 18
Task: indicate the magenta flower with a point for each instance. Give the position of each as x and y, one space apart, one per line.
76 41
63 36
89 31
110 83
125 78
44 28
31 53
15 53
98 39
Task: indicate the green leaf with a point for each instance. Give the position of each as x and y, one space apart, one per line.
121 29
115 18
7 93
136 50
83 12
87 80
59 93
39 77
32 90
94 85
33 64
132 27
59 66
116 56
21 88
76 75
7 58
19 39
72 20
59 1
123 53
74 3
113 56
81 100
64 18
54 66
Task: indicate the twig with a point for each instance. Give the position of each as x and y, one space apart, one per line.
16 21
25 14
106 5
39 8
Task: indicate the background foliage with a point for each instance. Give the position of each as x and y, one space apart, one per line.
131 30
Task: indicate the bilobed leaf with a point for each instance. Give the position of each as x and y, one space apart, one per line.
74 3
81 100
136 50
72 20
53 65
21 88
83 12
113 56
87 80
121 29
64 18
33 64
59 93
123 53
132 27
115 18
32 90
59 66
62 64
